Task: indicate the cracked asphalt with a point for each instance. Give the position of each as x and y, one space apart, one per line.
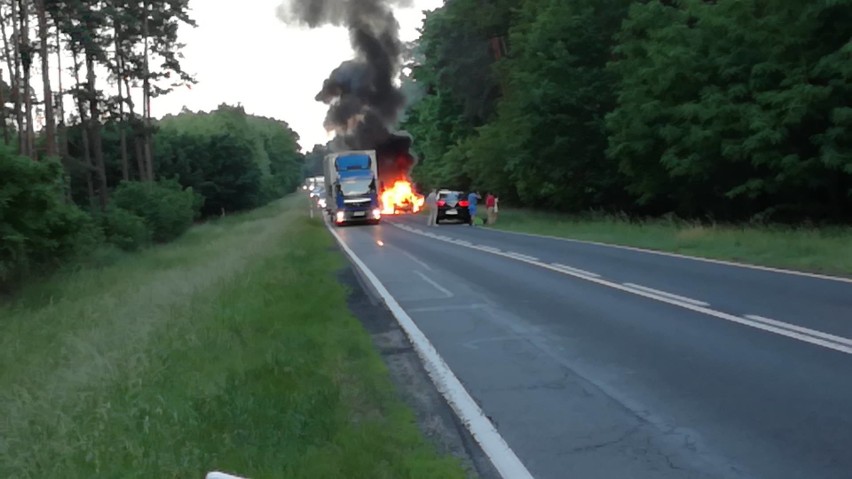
589 381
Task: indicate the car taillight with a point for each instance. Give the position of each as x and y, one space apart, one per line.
441 202
464 203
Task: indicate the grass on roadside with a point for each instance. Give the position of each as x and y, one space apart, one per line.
827 250
230 349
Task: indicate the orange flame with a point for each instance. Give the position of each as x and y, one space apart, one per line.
401 197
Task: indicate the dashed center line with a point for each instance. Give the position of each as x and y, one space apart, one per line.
575 270
667 295
521 256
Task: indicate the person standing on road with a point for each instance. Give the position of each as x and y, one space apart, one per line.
432 204
471 202
490 205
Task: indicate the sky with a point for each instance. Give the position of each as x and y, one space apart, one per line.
246 55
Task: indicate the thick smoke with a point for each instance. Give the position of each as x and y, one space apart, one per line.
363 102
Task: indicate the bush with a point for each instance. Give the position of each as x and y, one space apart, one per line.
220 167
125 229
167 209
38 229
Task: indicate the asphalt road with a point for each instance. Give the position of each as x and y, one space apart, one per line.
600 362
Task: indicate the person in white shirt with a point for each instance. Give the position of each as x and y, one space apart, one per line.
432 204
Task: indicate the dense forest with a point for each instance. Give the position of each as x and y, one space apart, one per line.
83 164
715 110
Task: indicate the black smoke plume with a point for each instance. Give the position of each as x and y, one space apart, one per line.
363 102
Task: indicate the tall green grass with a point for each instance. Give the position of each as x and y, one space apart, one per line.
231 349
827 250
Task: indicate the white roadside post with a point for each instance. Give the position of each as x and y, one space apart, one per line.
221 475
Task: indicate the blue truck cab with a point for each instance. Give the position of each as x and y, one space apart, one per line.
351 179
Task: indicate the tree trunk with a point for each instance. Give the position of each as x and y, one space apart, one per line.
3 109
50 119
27 61
149 160
140 157
14 59
95 130
84 134
122 125
60 99
61 131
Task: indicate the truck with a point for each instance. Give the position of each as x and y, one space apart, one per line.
351 186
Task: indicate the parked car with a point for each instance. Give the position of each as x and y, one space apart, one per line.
452 205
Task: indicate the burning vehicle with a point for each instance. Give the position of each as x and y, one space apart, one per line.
363 101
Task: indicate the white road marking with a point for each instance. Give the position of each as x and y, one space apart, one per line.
668 295
464 243
811 332
221 475
416 260
481 428
521 256
575 270
686 305
490 249
448 307
683 256
437 286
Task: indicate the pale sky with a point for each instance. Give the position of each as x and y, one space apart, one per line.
246 55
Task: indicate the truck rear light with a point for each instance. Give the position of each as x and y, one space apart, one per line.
340 216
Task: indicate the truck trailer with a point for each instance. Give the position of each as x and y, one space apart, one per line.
351 187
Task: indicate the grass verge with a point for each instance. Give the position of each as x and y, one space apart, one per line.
827 250
230 349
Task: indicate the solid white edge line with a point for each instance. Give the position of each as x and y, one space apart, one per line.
684 256
666 294
812 332
483 431
576 270
693 307
435 285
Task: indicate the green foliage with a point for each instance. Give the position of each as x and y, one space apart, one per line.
38 229
313 161
732 110
743 112
231 349
166 207
234 160
125 229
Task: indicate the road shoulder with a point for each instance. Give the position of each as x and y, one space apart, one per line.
434 416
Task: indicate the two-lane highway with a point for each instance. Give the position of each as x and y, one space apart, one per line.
596 361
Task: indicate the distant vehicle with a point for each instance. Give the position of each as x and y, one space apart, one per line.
351 187
318 197
452 205
312 183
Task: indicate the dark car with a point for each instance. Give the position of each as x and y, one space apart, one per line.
452 205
